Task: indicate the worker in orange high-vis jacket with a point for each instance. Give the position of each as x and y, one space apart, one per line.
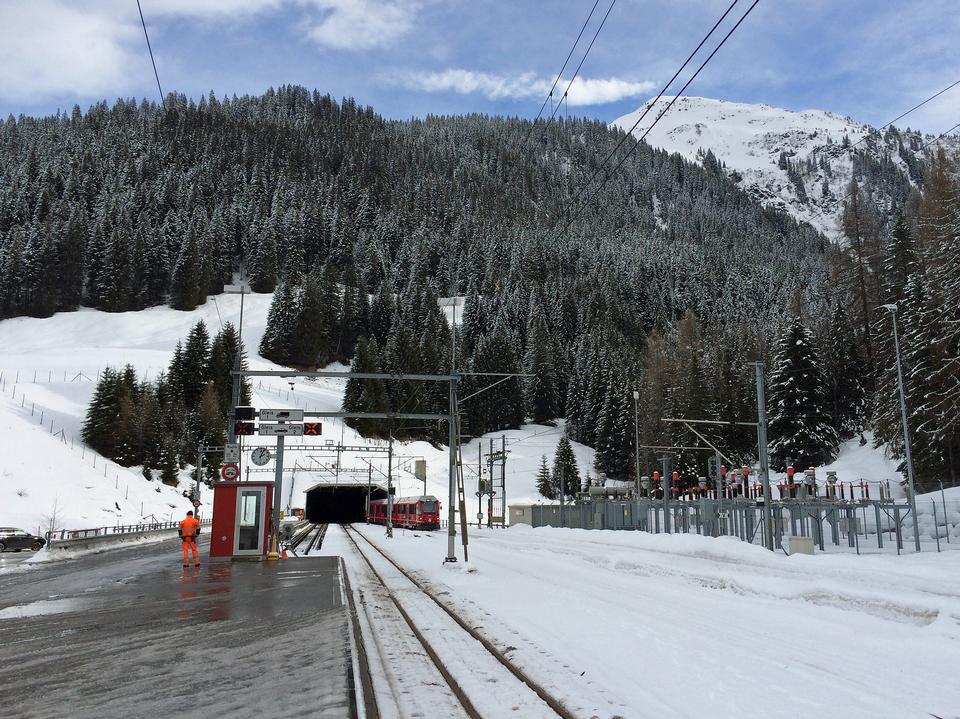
189 530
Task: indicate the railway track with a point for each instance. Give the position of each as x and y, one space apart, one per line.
313 534
482 680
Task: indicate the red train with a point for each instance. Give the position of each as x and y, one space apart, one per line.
411 512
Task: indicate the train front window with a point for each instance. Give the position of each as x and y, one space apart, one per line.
429 506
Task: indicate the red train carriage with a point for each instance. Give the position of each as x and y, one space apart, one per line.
411 512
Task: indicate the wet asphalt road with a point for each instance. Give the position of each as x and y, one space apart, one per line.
13 559
129 632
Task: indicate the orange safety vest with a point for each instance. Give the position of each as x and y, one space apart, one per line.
189 528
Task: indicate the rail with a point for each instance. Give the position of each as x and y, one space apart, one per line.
552 702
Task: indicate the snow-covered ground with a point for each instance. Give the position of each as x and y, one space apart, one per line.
52 365
48 369
750 138
640 625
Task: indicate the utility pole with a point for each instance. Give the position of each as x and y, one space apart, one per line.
906 428
764 458
562 491
480 486
200 476
277 488
390 486
451 509
237 379
665 487
369 482
636 435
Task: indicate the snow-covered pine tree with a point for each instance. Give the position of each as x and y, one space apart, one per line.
800 426
845 370
540 390
545 484
277 341
565 466
169 466
366 395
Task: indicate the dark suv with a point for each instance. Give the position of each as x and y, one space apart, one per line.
17 539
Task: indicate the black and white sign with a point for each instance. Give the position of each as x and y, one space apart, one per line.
231 453
275 430
260 456
281 415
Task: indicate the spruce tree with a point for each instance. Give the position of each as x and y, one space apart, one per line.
845 370
800 426
169 468
540 390
544 481
565 466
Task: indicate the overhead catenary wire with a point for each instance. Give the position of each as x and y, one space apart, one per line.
150 50
564 66
676 97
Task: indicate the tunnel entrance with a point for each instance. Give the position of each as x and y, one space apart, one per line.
339 504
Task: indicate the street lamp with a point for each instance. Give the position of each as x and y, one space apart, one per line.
636 435
906 428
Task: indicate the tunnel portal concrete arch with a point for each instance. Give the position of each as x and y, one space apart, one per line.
340 503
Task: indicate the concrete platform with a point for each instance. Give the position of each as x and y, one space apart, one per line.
130 633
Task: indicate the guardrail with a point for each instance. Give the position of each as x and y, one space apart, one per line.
66 538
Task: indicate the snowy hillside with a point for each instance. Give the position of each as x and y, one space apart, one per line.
53 364
750 140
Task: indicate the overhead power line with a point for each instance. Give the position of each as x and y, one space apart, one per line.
654 102
564 66
150 50
585 54
939 137
660 115
809 170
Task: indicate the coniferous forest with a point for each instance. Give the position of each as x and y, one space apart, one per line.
669 281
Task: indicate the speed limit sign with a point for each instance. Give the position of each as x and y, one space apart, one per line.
230 472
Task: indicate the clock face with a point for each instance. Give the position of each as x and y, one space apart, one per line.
260 456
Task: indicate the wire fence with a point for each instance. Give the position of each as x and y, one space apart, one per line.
46 418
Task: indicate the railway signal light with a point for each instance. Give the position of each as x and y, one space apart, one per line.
244 414
312 429
243 428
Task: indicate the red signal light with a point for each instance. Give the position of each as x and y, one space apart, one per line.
242 428
312 429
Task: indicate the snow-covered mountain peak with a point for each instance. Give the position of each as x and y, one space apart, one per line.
797 161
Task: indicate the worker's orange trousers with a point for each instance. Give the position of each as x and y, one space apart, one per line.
190 546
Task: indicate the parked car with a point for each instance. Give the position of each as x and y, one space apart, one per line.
16 540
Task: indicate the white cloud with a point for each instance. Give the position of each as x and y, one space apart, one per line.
49 48
583 91
362 24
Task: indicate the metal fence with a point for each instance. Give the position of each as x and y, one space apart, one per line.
855 525
118 530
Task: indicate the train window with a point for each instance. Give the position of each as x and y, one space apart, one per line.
429 506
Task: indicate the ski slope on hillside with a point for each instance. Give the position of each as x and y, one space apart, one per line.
53 364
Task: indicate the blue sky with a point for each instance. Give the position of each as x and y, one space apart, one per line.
870 59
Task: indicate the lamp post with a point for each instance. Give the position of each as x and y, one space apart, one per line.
906 428
636 434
